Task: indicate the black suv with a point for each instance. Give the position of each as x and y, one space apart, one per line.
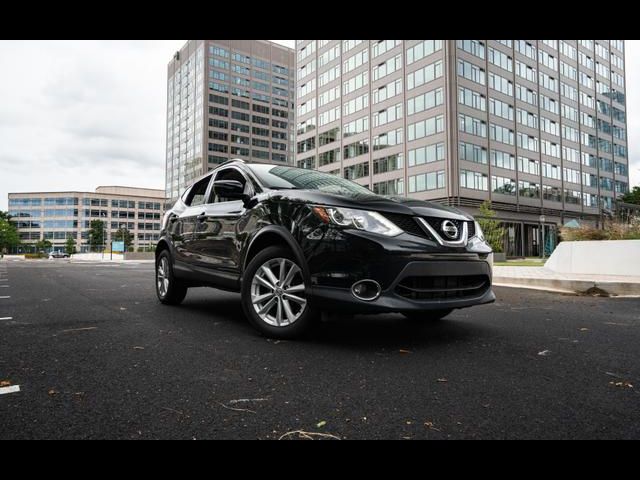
295 242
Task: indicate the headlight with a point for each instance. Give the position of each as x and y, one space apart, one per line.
479 232
360 219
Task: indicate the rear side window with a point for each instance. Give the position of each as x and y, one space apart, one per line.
197 192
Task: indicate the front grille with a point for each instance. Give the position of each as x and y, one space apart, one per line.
442 287
408 224
472 229
436 224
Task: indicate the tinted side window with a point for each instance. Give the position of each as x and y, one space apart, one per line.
229 174
197 192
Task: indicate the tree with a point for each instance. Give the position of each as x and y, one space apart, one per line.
43 245
9 237
96 234
70 246
492 228
632 196
124 235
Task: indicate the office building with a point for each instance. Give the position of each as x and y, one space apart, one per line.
56 216
538 127
227 99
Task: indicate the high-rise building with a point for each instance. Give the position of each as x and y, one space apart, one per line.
227 99
538 127
57 216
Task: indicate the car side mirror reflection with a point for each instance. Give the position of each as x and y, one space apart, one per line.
230 189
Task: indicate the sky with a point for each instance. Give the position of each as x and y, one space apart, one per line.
75 115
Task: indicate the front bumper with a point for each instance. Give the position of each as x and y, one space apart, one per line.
414 274
395 298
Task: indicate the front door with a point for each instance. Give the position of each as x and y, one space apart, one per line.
215 246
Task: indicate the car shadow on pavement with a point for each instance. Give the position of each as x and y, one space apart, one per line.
395 331
374 331
214 305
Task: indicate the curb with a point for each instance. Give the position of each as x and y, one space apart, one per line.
618 289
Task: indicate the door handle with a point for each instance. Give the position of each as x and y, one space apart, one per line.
202 217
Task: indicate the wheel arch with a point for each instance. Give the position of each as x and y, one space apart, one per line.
275 235
161 246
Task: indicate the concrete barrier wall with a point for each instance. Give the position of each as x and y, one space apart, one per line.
140 256
97 256
603 257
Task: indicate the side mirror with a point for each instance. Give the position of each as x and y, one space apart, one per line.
228 188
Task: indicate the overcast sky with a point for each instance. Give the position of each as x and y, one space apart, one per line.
78 114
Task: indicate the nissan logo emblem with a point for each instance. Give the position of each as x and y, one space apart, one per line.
449 229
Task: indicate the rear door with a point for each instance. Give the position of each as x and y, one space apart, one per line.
183 226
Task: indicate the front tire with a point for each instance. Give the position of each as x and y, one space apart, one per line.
169 289
427 315
274 294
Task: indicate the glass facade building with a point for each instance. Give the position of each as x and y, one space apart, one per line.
227 99
56 216
538 127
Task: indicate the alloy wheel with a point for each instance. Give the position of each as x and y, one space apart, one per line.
162 276
278 292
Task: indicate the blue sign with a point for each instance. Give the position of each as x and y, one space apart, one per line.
117 246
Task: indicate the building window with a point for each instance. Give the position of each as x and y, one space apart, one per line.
427 181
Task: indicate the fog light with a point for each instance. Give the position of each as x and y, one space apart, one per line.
366 290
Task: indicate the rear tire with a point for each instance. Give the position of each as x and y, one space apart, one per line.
427 315
274 294
170 290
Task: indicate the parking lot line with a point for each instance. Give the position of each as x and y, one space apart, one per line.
11 389
6 318
6 296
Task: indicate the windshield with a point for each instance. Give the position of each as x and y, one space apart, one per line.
278 177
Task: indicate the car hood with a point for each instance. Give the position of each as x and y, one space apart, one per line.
378 203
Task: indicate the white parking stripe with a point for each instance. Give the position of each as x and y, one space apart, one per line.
6 296
4 286
6 318
11 389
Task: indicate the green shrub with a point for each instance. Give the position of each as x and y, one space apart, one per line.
493 230
612 231
34 255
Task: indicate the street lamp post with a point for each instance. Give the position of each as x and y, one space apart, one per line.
104 238
122 227
542 220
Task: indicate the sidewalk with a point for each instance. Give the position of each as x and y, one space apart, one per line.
542 278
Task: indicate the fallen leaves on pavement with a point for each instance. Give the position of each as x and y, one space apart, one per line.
431 426
302 435
621 384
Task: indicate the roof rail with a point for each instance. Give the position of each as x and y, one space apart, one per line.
231 160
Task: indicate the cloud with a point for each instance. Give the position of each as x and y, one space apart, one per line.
632 64
78 114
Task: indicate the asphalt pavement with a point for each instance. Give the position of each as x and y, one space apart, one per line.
95 355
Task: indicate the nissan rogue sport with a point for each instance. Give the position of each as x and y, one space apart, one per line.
295 242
